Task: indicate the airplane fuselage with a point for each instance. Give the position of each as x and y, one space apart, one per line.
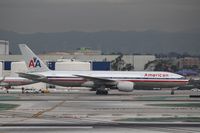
97 80
139 78
15 81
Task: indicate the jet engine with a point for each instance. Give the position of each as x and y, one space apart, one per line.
125 86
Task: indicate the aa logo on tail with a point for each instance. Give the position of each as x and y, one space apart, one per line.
34 63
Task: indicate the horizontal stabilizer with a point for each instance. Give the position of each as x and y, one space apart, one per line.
33 76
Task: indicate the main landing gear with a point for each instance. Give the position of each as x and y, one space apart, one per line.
173 91
101 91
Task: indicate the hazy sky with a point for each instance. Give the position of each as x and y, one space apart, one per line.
96 15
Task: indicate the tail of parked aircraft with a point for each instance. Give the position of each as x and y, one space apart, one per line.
33 62
2 79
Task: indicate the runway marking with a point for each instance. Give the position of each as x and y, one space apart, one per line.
40 113
44 127
170 129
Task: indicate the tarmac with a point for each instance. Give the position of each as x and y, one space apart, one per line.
142 111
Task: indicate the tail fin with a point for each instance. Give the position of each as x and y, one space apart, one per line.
33 62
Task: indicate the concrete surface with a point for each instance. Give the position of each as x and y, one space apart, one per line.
73 109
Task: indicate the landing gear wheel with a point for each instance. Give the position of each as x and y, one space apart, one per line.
172 92
101 92
97 92
106 92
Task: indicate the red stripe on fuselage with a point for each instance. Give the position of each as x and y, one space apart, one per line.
131 80
157 80
8 81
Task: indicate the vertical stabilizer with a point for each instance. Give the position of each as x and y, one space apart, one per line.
33 62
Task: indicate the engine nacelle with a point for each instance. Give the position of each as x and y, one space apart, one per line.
88 84
125 86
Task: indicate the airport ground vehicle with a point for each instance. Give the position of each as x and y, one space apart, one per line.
98 80
195 89
31 90
45 91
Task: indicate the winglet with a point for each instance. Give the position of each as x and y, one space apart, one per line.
33 62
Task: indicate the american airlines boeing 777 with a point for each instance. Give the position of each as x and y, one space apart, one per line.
98 80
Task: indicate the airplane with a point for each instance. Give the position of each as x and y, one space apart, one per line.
7 82
101 81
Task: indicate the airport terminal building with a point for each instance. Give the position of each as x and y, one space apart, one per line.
12 63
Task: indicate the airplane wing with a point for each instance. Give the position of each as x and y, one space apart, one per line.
32 76
97 79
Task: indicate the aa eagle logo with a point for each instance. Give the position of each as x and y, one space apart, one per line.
34 63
